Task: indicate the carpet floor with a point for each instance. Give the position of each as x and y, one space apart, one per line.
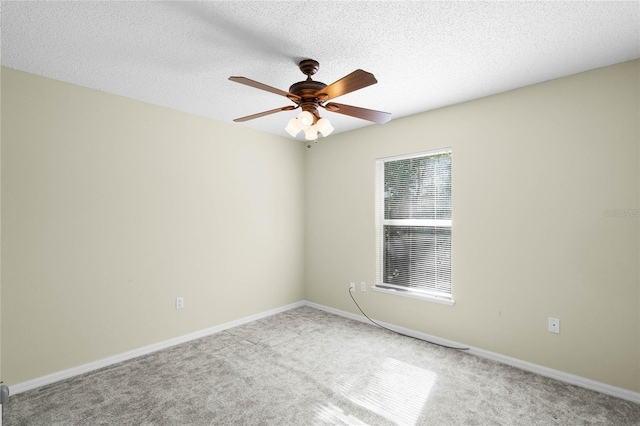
309 367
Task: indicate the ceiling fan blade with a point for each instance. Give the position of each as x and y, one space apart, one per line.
349 83
363 113
258 85
262 114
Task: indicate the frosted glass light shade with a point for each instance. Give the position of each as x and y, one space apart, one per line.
324 126
305 119
311 133
292 128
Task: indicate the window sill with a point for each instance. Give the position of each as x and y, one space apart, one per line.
414 295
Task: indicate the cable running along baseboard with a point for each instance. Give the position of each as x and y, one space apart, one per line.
397 332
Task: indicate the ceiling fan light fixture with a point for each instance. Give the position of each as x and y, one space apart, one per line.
304 122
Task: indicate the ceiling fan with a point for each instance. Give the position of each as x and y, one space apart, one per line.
309 95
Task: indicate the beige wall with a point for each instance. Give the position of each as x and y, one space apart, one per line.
111 208
534 171
1 376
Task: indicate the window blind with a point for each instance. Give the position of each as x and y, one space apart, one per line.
413 217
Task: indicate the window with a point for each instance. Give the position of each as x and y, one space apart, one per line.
413 226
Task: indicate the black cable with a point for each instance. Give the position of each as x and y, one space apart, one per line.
397 332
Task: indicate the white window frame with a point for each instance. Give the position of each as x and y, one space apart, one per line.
380 286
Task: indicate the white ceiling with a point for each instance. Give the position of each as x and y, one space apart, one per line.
425 55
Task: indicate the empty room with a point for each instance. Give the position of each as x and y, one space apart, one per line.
320 213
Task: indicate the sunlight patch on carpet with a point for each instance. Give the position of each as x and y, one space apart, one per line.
395 390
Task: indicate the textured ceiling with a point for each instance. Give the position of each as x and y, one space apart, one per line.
425 55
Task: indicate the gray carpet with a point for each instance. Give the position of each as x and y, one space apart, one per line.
309 367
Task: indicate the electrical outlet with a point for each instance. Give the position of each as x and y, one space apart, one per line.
554 325
352 287
179 302
363 286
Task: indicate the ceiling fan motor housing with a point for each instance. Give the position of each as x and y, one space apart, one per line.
307 91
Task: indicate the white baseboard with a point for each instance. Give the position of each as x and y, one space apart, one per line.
523 365
85 368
